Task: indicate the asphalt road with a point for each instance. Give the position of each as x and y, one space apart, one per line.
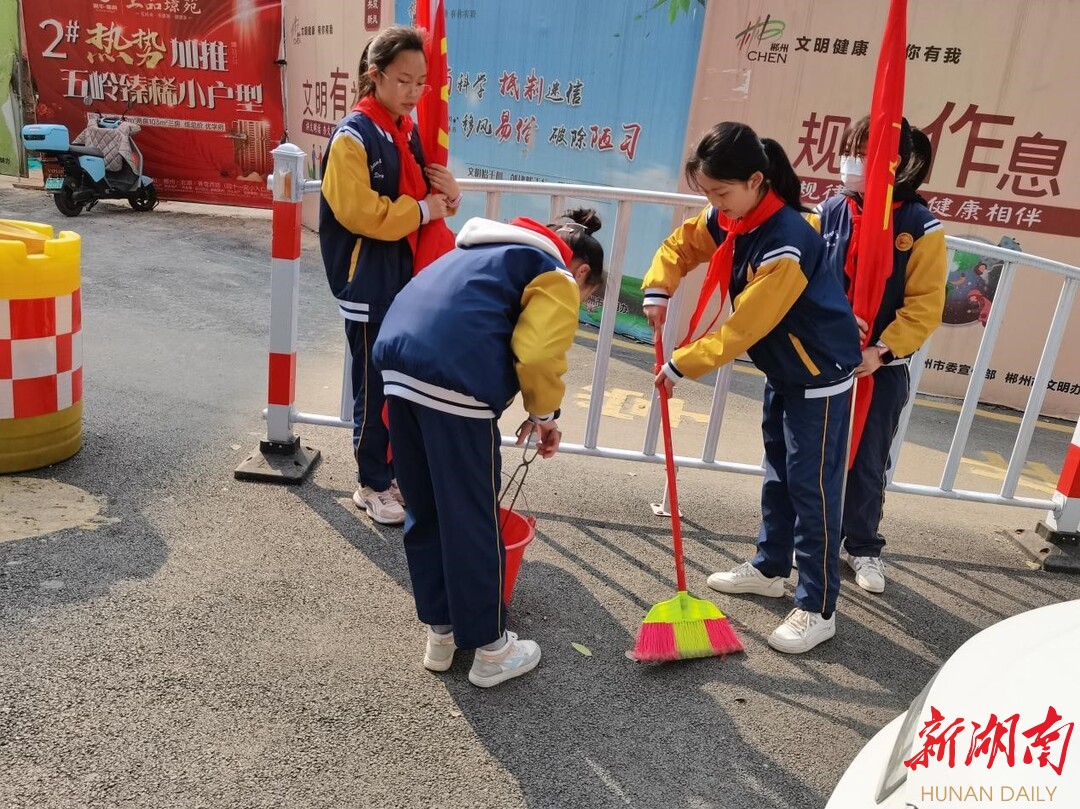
209 643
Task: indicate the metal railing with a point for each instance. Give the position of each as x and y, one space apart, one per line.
684 205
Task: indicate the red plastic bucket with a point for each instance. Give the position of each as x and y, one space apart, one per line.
517 532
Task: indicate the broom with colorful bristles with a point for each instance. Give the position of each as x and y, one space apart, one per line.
682 627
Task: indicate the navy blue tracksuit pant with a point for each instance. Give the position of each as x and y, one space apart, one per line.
449 470
805 432
370 437
864 499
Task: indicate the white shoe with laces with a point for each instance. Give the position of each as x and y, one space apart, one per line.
382 507
801 631
439 654
869 571
746 578
515 658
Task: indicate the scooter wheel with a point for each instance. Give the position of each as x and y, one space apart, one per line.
65 202
145 199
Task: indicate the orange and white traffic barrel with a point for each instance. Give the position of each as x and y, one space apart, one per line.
40 346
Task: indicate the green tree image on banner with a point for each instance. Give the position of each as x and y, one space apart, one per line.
9 49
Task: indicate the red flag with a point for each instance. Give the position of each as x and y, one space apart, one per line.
433 111
875 248
433 123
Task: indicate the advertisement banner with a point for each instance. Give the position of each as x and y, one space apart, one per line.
199 76
10 114
567 92
323 43
985 81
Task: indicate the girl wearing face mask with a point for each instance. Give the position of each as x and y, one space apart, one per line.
790 315
378 222
910 311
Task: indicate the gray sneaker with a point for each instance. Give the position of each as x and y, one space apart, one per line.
517 657
869 571
382 507
746 578
439 654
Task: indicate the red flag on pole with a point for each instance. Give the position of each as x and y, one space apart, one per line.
433 111
875 248
433 123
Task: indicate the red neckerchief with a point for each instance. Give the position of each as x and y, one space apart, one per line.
850 262
437 237
531 224
411 178
718 276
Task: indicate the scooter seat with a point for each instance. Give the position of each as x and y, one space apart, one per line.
87 151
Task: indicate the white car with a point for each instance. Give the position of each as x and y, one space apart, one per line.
1006 677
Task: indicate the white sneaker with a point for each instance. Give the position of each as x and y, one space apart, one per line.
869 571
439 654
515 658
382 507
801 631
746 578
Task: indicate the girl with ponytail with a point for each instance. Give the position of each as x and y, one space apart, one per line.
380 222
790 315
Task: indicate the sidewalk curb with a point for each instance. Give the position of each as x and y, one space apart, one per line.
1053 557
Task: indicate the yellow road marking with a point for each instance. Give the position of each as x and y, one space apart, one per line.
752 371
1037 476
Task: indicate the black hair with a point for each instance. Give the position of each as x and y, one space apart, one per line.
913 149
381 51
922 158
732 151
858 133
576 227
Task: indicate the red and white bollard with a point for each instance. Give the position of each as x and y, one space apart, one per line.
280 456
1063 524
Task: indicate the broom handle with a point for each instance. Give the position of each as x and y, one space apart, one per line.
669 464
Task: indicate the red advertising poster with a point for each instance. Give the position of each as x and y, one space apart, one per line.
201 76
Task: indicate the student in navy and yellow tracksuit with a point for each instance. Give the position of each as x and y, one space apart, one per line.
495 316
791 316
910 311
375 202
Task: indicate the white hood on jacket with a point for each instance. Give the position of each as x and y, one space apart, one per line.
479 231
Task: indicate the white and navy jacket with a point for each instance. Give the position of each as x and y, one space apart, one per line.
492 317
364 221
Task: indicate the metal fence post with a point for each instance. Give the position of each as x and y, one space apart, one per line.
280 457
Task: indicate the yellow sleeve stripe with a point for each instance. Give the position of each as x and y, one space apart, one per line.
346 185
924 295
543 335
688 246
758 309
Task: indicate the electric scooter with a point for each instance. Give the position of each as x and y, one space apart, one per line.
86 178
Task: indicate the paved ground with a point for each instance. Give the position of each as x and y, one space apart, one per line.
208 643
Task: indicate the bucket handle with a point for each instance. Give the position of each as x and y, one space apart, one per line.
523 471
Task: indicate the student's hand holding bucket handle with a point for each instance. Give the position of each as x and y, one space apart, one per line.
548 436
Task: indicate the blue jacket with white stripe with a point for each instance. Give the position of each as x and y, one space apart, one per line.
789 312
914 295
364 220
492 317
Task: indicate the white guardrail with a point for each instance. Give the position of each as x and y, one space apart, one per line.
1063 509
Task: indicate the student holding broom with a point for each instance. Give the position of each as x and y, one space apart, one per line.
791 316
495 316
910 310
